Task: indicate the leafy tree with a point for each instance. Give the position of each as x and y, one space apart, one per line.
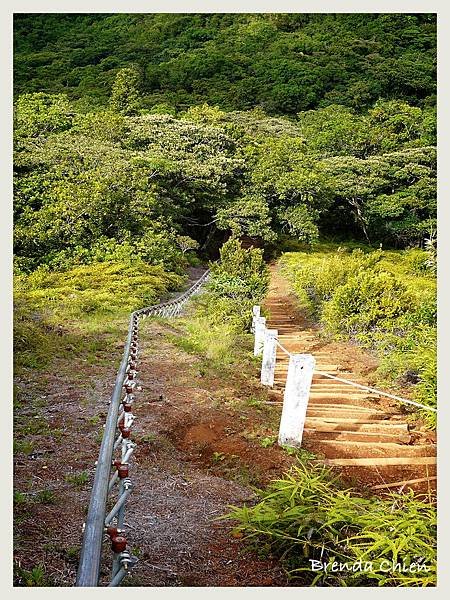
80 178
249 215
185 243
390 195
394 124
105 126
39 114
125 97
334 130
204 114
300 222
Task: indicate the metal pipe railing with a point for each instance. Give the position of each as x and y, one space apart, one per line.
89 567
97 524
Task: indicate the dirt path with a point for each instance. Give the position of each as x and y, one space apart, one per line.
369 437
191 463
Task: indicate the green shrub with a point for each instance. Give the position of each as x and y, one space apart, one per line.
222 313
238 281
308 515
156 248
416 261
247 266
383 300
316 279
367 301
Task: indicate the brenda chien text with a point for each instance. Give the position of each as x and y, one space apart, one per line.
384 566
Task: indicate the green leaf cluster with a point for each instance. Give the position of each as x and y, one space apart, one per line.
380 299
309 515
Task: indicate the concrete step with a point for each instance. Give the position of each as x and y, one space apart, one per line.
381 462
342 406
330 407
358 420
356 449
283 367
318 425
338 378
331 413
326 383
341 389
335 397
356 436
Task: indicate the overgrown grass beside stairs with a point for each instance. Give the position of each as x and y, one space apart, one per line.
63 312
383 300
308 515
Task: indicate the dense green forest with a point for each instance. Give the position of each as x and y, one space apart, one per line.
130 132
93 186
283 63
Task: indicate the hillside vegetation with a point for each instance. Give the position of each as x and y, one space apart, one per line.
148 143
283 63
113 172
383 300
136 132
106 185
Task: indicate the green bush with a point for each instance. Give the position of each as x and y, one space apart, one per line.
308 515
383 300
238 281
220 315
366 302
316 279
416 261
35 337
156 248
98 287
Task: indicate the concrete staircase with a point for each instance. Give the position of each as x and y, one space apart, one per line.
349 428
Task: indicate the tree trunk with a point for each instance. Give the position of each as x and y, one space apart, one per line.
359 217
209 236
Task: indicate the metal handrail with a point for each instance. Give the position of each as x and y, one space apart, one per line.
96 524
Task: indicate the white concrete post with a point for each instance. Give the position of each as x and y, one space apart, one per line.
260 328
269 357
256 311
296 396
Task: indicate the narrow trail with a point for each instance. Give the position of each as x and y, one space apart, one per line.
368 437
186 418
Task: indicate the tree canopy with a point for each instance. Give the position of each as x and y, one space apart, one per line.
149 135
284 63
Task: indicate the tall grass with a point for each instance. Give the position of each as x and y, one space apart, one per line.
217 343
309 516
384 300
58 312
218 322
